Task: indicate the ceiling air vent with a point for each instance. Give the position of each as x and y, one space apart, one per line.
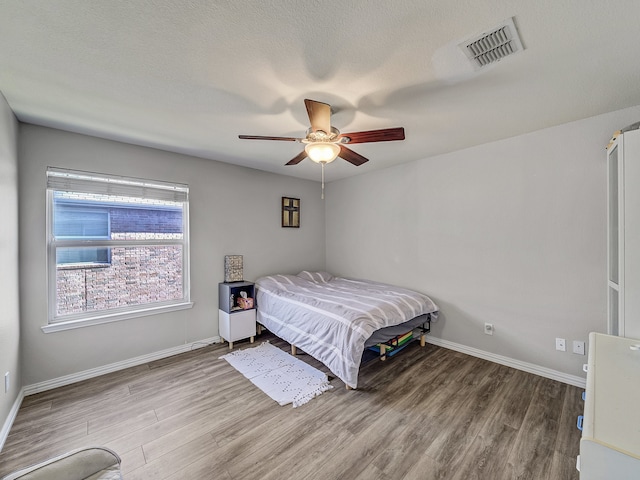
493 46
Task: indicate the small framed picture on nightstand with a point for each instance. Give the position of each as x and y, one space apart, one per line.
233 268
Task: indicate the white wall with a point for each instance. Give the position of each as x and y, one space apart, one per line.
233 210
511 233
10 314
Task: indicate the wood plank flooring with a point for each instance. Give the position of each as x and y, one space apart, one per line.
427 413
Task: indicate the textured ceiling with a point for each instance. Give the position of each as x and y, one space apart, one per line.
189 76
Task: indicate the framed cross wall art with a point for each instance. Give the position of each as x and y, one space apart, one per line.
290 212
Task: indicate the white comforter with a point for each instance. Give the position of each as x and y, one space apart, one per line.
330 318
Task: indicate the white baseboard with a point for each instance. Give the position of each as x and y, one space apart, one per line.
4 433
114 367
510 362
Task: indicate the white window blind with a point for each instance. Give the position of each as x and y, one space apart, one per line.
85 182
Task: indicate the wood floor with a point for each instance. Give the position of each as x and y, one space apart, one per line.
426 413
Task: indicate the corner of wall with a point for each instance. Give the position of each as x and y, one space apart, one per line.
10 349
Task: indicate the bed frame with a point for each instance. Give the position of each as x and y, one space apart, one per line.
391 347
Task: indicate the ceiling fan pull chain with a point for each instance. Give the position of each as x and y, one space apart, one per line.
322 196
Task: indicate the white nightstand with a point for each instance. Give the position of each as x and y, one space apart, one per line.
234 322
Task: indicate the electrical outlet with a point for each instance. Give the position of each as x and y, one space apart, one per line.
578 347
561 344
7 382
488 328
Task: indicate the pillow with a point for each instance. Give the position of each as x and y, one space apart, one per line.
317 277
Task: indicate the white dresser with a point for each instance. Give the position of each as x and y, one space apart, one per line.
610 444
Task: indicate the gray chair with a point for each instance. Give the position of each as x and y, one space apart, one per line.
94 463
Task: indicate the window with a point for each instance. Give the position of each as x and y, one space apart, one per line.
118 248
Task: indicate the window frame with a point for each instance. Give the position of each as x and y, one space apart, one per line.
113 185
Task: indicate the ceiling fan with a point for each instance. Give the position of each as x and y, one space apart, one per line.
324 143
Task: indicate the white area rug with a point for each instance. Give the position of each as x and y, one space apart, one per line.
280 375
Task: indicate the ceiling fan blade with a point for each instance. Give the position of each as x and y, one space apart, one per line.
259 137
319 115
297 159
384 135
351 156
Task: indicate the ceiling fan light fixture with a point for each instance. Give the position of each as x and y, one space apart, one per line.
322 152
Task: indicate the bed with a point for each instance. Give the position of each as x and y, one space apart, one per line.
334 319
